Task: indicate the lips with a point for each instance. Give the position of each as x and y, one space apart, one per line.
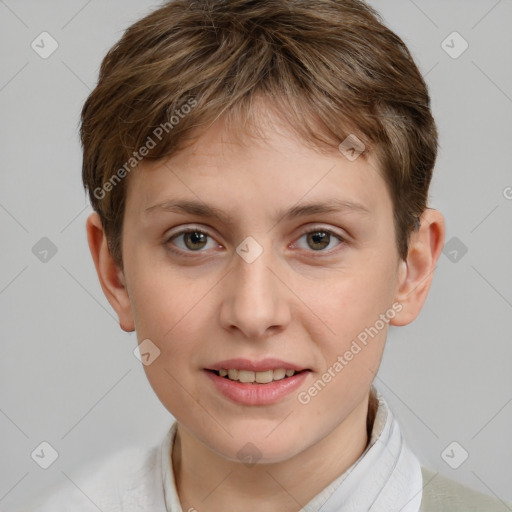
255 393
250 382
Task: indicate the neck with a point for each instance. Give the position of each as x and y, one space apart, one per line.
208 482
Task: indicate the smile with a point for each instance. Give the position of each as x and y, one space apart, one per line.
263 377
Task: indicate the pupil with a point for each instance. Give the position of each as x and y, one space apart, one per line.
320 237
196 238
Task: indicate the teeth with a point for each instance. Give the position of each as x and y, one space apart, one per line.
245 376
279 374
233 374
264 377
248 376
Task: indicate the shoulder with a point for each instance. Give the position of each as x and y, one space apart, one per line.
441 494
127 480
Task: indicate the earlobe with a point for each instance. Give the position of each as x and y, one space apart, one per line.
416 274
112 279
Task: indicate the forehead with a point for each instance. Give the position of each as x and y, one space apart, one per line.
271 169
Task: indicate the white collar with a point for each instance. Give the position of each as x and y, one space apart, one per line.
387 475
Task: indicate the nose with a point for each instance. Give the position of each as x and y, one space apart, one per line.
256 301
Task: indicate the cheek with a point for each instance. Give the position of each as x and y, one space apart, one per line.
350 322
161 298
170 321
172 311
166 311
344 306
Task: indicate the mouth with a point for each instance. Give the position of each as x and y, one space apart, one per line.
256 382
264 383
256 377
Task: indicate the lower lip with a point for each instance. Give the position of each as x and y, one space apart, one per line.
257 394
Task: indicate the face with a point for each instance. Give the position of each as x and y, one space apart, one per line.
249 273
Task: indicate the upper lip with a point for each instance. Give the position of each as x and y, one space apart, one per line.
255 366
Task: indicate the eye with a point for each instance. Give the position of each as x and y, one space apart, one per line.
193 240
319 239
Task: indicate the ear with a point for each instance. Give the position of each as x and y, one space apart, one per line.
416 274
111 277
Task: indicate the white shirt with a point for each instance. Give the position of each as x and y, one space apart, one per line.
386 477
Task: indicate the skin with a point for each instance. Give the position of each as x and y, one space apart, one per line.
296 302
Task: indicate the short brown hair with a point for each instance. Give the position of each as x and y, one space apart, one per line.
330 68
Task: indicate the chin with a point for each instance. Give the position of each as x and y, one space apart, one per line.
256 446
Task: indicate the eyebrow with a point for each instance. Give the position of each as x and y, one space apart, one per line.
202 209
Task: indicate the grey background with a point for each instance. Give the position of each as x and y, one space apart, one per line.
68 375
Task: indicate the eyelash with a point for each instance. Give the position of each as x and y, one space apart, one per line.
315 229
